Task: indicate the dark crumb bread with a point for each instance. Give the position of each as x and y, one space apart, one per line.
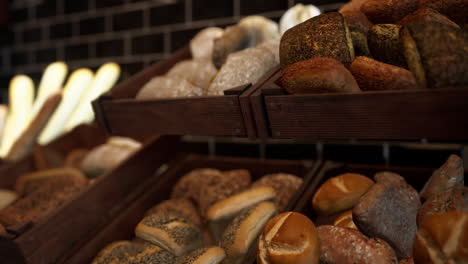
344 245
385 45
43 200
372 75
388 211
181 206
285 186
326 35
427 14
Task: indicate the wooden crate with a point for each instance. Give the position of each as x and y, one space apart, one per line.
120 114
415 176
436 114
122 227
58 235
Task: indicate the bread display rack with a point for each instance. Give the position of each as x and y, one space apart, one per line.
59 234
159 188
437 114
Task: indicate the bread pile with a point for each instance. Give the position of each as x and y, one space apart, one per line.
40 118
57 179
373 45
221 59
212 216
384 220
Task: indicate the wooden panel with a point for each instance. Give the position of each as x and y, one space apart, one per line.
123 226
58 235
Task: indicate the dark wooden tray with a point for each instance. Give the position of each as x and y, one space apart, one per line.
438 114
120 114
122 227
59 234
415 176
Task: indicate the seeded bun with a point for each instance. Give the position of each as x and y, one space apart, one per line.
212 255
285 186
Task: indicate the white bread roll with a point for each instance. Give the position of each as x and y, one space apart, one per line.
211 255
289 238
7 197
105 78
51 82
296 15
25 143
242 233
259 29
72 93
21 94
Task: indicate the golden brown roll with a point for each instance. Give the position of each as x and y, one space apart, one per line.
340 193
318 75
183 207
372 75
326 35
211 255
285 186
7 197
289 238
427 14
241 235
126 252
345 220
348 246
75 157
171 232
220 214
44 199
442 238
388 11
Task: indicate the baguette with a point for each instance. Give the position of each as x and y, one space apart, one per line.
25 143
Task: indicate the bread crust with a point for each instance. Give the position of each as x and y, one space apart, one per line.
388 11
385 44
427 14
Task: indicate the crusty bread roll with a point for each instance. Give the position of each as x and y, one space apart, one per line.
318 75
201 46
189 185
198 72
234 38
25 142
385 44
427 14
388 11
436 54
442 238
43 200
285 186
289 238
296 15
241 68
7 197
211 255
168 87
140 252
326 35
372 75
345 220
340 193
220 214
171 232
455 199
447 177
347 246
388 210
456 10
75 157
182 206
230 183
358 25
242 233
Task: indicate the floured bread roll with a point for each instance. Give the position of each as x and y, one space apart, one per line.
107 156
296 15
201 46
198 72
168 87
259 29
273 46
243 67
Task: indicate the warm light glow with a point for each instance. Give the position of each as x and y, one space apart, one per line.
3 119
21 95
76 85
105 78
52 81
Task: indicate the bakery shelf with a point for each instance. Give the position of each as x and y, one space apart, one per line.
120 114
437 115
415 176
122 226
59 234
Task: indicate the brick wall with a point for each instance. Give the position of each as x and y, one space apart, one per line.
134 33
